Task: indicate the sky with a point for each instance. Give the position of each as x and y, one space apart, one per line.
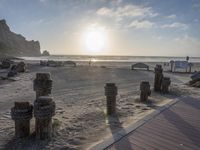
130 27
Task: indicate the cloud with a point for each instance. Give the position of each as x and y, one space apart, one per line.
196 5
145 24
121 16
175 25
104 11
171 16
127 11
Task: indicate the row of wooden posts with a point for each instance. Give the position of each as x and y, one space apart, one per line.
44 106
161 84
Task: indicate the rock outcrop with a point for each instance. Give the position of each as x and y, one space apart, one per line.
13 44
45 53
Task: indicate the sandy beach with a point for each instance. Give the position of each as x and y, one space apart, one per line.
80 121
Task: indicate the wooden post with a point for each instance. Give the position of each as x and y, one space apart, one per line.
44 109
145 91
165 85
158 78
172 65
22 113
111 93
190 67
42 84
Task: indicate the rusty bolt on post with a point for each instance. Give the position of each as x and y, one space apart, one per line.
111 93
145 91
42 84
44 109
158 78
22 113
165 85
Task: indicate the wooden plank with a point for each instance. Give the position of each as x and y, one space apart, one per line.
171 138
175 128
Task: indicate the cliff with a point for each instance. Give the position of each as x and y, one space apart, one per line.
15 44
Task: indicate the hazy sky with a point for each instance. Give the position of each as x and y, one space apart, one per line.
131 27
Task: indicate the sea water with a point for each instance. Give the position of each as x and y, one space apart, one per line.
87 58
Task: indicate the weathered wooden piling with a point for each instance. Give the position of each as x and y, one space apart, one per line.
158 78
145 91
44 109
111 93
165 85
172 65
42 84
22 113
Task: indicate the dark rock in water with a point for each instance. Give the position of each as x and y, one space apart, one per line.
45 53
13 44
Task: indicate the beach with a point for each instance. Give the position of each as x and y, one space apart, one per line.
80 121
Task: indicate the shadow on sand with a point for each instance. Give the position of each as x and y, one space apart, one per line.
115 125
25 143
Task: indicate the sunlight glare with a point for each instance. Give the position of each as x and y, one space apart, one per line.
95 39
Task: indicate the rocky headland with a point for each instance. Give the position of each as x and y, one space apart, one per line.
13 44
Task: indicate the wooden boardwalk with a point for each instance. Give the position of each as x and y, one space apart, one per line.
177 128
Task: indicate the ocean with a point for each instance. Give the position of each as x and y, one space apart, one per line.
86 58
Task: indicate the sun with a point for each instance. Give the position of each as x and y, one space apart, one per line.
95 39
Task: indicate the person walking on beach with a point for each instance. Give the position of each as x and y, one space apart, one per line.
187 58
90 61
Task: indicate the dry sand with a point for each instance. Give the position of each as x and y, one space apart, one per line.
80 119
